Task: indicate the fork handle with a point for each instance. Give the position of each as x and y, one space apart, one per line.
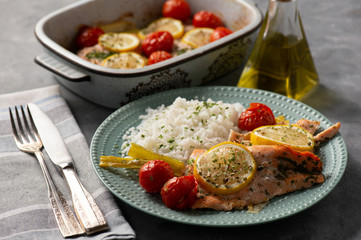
84 204
68 224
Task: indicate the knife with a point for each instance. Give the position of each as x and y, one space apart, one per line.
86 209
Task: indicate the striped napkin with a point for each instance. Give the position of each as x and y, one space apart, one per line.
25 211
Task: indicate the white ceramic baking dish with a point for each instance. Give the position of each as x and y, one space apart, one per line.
115 87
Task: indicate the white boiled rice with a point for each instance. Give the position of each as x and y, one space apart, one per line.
177 129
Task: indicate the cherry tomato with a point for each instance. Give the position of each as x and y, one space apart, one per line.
255 116
220 32
158 56
260 105
88 36
180 192
157 41
206 19
154 174
178 9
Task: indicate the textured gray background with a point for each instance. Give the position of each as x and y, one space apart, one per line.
333 30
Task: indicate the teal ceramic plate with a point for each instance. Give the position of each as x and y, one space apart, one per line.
124 184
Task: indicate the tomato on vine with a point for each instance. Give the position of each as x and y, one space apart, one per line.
177 9
154 174
157 41
220 32
88 36
255 116
206 19
180 192
158 56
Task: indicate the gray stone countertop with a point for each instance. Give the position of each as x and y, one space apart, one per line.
333 31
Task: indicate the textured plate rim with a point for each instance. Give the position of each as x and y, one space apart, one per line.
250 95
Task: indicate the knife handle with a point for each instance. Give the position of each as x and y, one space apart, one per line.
88 212
68 224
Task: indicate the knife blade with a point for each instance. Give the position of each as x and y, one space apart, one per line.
86 209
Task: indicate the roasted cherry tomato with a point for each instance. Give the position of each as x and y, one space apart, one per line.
154 174
220 32
255 116
158 56
88 36
180 192
157 41
206 19
178 9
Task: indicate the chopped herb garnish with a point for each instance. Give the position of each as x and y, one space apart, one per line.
98 55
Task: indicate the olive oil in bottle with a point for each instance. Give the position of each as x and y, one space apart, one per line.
281 60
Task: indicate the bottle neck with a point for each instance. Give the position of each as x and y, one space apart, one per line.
283 17
284 8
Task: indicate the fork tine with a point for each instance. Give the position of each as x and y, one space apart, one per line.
21 129
13 126
25 120
35 130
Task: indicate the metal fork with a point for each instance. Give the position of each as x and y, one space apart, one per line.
28 140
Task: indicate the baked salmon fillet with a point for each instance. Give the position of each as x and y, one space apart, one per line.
280 170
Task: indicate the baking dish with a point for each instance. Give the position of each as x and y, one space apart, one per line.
115 87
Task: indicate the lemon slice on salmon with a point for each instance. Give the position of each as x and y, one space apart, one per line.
225 168
126 60
173 26
198 37
119 42
292 136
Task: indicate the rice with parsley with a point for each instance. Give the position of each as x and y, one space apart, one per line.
177 129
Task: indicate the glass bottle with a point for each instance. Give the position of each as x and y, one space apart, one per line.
281 60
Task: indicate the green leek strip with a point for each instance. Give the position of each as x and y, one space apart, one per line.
119 162
138 152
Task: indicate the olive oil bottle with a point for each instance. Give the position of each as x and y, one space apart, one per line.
281 60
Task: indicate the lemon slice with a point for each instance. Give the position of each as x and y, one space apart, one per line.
119 42
127 60
138 152
173 26
292 136
225 168
198 37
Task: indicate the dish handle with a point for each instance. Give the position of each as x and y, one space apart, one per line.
59 68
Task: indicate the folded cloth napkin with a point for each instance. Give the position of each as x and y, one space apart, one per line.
25 211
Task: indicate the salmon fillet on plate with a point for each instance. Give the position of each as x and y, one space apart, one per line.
280 170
